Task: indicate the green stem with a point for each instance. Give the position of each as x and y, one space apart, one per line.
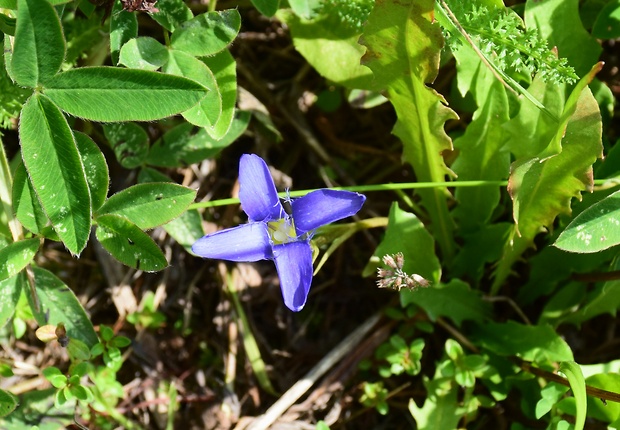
6 183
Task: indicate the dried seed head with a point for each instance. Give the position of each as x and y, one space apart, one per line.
397 278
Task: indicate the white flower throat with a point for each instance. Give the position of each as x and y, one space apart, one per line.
282 231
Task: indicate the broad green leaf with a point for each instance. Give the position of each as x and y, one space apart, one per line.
149 205
208 33
303 8
55 377
58 304
111 94
609 412
39 47
7 25
172 13
17 255
8 403
224 69
95 167
418 249
578 386
128 244
187 228
403 46
482 149
35 406
123 27
594 229
559 23
207 112
144 53
181 147
8 4
532 343
51 157
607 24
267 7
26 205
129 142
10 289
543 188
440 410
331 48
455 300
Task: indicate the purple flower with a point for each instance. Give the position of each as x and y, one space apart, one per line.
274 234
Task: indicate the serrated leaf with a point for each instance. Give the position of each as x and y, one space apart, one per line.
543 188
39 47
10 289
224 69
111 94
123 27
440 410
455 300
207 112
418 249
266 7
95 167
532 343
144 53
58 304
149 205
331 48
128 244
129 142
8 403
181 147
17 255
578 386
208 33
403 46
55 168
172 13
26 205
594 229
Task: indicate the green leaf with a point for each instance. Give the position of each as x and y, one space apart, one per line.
123 27
144 53
58 304
7 25
96 169
149 205
266 7
10 290
559 23
331 48
55 377
208 33
187 228
172 13
440 410
34 407
578 385
128 244
39 47
483 154
607 24
302 8
224 69
542 188
111 94
55 168
418 249
403 46
8 403
16 256
610 381
181 147
207 112
129 142
533 343
594 229
27 208
454 300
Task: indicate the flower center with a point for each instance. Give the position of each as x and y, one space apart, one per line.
282 231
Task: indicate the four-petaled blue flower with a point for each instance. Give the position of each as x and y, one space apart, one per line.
273 234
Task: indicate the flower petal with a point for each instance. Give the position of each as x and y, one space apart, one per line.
248 242
322 207
257 191
294 264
